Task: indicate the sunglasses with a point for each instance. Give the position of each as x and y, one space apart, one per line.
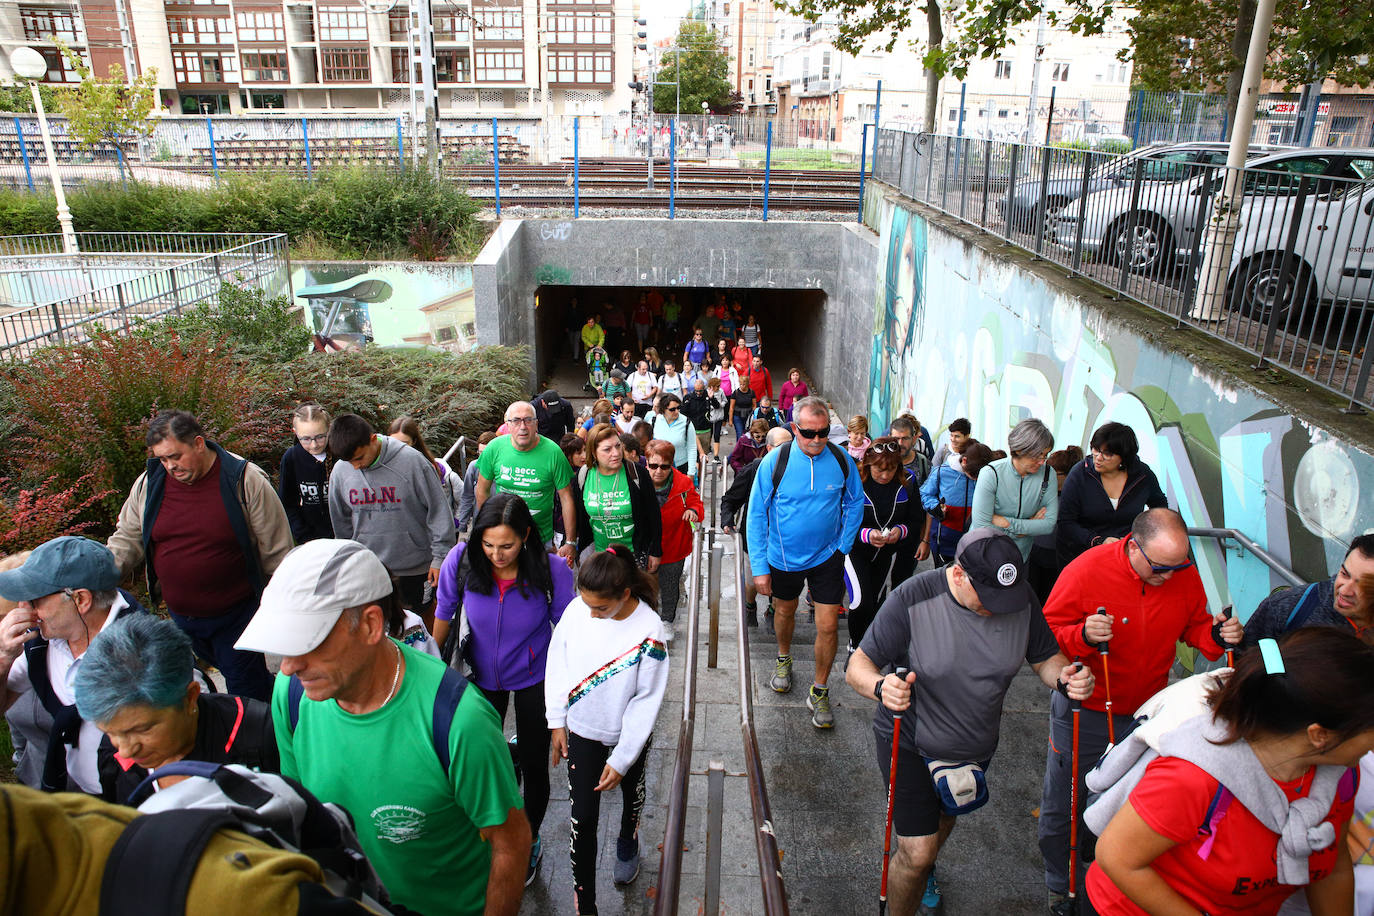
1155 567
810 433
658 467
893 447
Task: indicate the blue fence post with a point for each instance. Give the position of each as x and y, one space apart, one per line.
963 93
214 159
400 144
1139 113
863 163
123 179
767 167
496 165
24 151
305 138
877 108
672 169
577 203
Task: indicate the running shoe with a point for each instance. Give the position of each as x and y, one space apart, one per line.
782 675
931 900
536 854
818 701
626 867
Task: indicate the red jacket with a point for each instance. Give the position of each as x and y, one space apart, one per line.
762 383
677 534
1148 623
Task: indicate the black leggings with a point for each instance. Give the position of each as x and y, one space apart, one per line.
531 746
870 568
586 760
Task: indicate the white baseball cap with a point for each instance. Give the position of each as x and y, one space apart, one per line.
310 589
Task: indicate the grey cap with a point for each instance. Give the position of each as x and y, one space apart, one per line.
65 562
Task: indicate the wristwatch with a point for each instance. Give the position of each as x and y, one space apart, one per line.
878 690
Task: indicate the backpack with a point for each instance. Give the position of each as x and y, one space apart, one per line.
1303 609
553 422
785 451
1044 482
150 866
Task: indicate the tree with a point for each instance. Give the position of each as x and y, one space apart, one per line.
704 74
980 28
109 109
1201 44
16 97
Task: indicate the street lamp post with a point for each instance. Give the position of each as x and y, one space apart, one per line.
29 65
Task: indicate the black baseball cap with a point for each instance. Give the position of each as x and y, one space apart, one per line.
997 570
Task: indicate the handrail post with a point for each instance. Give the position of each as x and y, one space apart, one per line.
496 165
713 595
715 818
863 162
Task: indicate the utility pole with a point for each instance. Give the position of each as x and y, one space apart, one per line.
430 88
1225 221
1035 77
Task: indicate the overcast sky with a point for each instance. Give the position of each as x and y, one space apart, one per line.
663 17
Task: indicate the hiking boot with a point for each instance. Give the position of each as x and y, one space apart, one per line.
751 613
930 900
782 675
1060 905
536 854
818 701
626 867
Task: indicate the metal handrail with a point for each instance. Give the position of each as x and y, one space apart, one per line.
461 447
765 839
1264 556
675 830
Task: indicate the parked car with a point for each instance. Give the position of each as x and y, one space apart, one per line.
1164 163
1332 257
1162 228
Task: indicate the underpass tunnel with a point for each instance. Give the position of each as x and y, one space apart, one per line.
789 322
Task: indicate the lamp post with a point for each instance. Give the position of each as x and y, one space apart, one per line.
29 65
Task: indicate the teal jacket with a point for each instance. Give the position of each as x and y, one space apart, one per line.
1001 491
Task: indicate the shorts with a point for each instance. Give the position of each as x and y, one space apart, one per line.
411 590
915 806
826 581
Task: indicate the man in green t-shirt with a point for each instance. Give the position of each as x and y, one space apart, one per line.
525 464
355 715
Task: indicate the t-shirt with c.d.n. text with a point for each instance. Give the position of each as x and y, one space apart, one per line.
534 476
607 498
964 664
418 825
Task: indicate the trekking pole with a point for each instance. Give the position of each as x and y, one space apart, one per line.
1077 707
891 793
1103 649
1228 612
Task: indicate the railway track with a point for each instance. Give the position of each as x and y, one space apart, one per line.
683 201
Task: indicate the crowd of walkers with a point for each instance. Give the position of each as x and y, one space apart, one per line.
382 584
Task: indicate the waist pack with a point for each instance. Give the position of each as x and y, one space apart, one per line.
961 787
150 867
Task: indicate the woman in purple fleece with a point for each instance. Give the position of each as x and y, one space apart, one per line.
502 581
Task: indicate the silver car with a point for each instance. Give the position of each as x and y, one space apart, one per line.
1151 227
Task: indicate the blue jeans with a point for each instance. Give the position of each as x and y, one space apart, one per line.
213 638
739 426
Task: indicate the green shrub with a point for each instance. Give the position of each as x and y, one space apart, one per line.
26 213
261 330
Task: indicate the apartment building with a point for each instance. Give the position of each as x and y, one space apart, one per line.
491 57
746 30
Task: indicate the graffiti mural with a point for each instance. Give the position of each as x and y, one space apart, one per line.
961 333
389 304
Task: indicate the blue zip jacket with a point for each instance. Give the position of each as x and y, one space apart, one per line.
815 514
510 635
956 488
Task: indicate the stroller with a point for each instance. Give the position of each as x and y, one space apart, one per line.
598 363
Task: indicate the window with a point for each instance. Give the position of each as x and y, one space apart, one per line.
339 23
399 58
501 25
204 104
200 30
954 114
450 25
580 67
47 24
59 68
1001 112
1003 70
581 29
265 67
500 66
1060 73
825 66
451 66
268 100
265 26
204 66
398 23
345 65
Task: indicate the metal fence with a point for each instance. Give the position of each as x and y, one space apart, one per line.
49 297
1297 292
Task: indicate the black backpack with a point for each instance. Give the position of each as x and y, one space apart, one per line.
554 422
785 451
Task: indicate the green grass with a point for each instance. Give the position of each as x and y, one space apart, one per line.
798 159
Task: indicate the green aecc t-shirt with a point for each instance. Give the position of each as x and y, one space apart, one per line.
534 476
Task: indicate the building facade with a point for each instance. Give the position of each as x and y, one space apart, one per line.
535 57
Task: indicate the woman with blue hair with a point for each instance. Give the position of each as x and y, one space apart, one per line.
136 683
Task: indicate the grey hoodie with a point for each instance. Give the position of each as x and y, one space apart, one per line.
395 508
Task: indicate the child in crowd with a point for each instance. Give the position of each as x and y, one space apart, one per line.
858 437
597 363
304 486
605 679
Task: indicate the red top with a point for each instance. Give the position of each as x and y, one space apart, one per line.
742 358
762 383
200 566
677 534
1149 621
1238 874
791 393
641 314
655 301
